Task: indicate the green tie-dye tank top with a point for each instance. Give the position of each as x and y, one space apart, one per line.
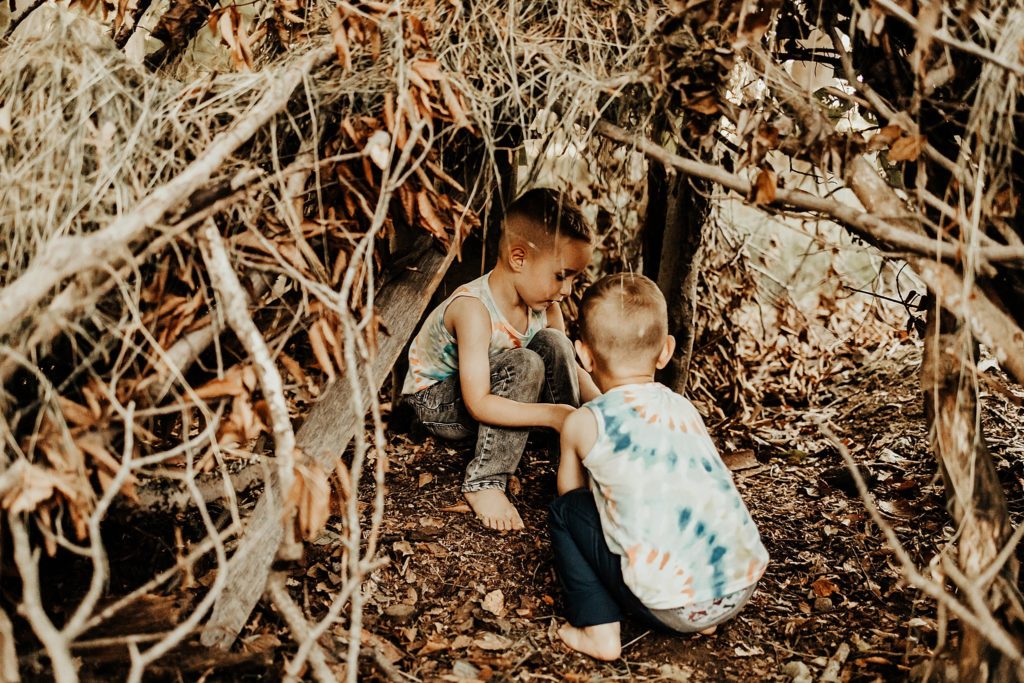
667 502
434 354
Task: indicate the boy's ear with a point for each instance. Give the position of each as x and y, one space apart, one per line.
667 349
517 254
586 359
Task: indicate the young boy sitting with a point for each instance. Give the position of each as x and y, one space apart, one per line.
493 358
661 533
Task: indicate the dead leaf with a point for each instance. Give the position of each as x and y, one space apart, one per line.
311 494
432 646
425 479
884 137
706 104
764 186
461 641
824 588
740 460
492 641
461 508
494 602
907 148
378 147
741 651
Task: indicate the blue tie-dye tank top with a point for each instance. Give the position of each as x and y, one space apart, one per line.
434 354
667 502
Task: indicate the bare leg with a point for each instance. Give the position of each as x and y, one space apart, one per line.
601 641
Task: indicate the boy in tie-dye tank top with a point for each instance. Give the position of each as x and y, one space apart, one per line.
648 521
493 361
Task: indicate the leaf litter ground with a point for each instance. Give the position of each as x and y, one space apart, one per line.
458 602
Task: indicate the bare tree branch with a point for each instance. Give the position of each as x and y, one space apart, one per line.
66 255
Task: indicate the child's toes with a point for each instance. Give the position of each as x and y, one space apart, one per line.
516 521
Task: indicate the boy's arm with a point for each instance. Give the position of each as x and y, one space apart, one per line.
472 327
578 436
588 390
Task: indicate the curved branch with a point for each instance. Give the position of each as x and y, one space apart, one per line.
864 224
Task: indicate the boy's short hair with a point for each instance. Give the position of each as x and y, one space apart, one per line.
624 318
542 214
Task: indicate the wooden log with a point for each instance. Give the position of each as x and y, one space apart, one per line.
323 437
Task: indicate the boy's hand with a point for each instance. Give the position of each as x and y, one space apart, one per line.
558 413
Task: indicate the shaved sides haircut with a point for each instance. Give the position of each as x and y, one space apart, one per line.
624 319
541 215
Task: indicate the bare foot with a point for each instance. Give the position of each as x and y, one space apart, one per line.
493 508
600 642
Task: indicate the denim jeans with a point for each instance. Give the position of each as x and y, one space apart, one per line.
591 575
544 371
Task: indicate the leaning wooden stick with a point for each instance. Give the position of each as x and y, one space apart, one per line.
323 437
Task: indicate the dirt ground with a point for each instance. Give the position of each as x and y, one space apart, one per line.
459 603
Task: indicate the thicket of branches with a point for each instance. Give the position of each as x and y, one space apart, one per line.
175 237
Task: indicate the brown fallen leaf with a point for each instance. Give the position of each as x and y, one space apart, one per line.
740 460
494 602
492 641
824 588
425 479
764 187
461 508
432 646
907 148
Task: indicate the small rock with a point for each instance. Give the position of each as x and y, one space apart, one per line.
823 605
797 671
465 669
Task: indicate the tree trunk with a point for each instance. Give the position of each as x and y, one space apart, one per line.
673 234
974 494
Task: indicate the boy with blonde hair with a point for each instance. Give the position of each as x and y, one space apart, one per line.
661 532
493 359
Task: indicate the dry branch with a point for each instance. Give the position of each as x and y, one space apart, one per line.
862 223
64 256
8 653
236 310
293 616
323 437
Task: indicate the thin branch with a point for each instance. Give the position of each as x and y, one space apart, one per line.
8 653
982 622
236 311
299 627
862 223
943 36
63 256
54 642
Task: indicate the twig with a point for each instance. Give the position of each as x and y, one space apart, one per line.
299 627
8 653
862 223
983 622
63 256
943 36
835 664
236 310
54 642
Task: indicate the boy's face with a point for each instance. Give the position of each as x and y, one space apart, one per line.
546 275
